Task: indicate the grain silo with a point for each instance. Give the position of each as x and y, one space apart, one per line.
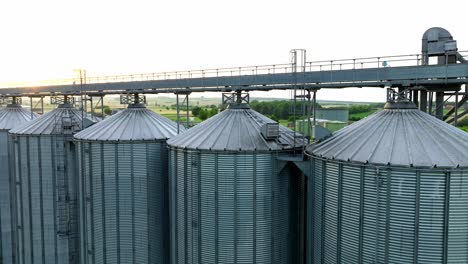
123 164
230 198
46 187
11 116
391 188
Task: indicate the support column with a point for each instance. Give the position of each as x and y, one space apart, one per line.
423 101
416 97
431 102
187 111
439 107
455 118
178 113
31 105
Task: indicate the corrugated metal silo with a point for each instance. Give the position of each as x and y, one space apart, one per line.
391 188
46 187
11 116
229 197
123 188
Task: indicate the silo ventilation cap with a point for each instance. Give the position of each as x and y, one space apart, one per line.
398 100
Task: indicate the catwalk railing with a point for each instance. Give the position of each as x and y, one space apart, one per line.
359 72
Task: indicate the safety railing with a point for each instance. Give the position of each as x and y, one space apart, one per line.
328 65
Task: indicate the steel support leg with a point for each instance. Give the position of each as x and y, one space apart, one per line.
431 103
187 109
178 113
416 97
32 106
102 107
423 101
439 107
455 120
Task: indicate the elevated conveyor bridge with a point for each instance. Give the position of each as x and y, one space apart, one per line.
389 71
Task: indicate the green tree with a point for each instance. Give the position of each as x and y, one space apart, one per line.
213 112
281 109
273 117
107 110
196 110
203 115
356 109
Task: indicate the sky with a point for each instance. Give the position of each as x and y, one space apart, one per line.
48 39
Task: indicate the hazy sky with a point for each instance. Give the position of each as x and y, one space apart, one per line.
48 39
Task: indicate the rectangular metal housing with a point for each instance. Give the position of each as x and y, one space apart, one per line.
270 131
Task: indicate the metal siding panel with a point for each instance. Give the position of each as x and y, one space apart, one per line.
264 210
458 225
431 226
123 155
318 211
351 187
81 202
331 213
390 215
226 208
62 200
135 183
7 229
40 159
402 217
172 205
224 211
110 189
374 218
181 229
98 204
209 209
36 203
25 209
19 202
141 207
48 200
283 212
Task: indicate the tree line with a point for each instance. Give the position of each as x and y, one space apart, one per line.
279 110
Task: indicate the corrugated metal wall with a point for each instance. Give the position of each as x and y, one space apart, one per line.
363 214
229 208
7 226
46 200
124 207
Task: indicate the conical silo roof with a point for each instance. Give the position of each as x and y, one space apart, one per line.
132 124
65 119
13 115
399 135
238 128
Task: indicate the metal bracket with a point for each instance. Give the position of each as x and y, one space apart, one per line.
56 100
394 96
4 100
235 98
132 99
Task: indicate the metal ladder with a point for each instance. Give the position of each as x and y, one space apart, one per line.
299 107
63 198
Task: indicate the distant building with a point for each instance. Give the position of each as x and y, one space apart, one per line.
333 114
332 125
